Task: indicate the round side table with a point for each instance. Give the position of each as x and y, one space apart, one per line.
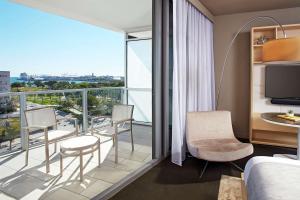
274 119
79 146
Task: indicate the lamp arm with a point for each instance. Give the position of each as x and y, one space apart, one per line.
231 43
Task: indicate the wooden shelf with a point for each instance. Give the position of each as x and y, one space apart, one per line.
262 132
274 143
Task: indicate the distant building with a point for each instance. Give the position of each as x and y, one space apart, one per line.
4 86
24 76
4 81
119 78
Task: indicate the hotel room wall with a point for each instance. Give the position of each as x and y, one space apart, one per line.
235 95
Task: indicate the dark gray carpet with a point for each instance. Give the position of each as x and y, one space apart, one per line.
168 181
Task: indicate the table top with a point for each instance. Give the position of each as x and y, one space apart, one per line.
274 119
79 142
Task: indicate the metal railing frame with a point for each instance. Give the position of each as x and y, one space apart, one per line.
84 93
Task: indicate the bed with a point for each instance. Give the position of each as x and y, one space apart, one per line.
272 178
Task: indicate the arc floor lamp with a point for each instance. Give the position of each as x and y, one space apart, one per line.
284 50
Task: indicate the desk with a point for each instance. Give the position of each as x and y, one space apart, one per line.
274 119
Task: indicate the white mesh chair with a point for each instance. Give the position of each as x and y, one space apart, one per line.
121 121
43 119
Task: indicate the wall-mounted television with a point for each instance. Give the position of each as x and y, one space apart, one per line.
283 84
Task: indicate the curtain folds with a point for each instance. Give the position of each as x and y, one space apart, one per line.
193 70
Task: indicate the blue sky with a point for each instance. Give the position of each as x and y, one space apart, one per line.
40 43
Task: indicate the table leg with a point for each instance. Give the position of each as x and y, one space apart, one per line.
81 166
298 145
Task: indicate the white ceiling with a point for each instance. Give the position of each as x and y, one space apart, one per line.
117 15
223 7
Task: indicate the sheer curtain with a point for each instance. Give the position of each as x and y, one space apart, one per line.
193 70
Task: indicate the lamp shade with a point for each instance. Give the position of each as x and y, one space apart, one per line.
282 50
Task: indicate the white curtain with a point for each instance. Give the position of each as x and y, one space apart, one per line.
193 70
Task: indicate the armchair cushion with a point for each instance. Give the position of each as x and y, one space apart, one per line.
220 150
210 137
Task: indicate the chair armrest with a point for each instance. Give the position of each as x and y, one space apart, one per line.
34 127
122 121
100 117
70 118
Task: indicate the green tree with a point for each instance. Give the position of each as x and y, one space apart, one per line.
38 83
18 84
50 84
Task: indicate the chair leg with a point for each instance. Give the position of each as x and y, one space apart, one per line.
132 144
116 148
47 157
236 166
61 163
204 169
81 166
113 139
27 149
99 154
55 147
77 129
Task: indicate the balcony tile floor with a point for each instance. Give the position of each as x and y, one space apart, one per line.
32 182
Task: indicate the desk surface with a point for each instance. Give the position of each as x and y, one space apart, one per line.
274 119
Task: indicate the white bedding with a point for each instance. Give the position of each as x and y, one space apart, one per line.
265 159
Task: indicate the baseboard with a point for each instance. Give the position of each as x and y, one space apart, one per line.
113 190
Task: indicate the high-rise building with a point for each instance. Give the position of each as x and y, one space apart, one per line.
4 81
24 76
4 87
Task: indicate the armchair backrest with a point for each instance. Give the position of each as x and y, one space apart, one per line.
208 125
122 112
41 117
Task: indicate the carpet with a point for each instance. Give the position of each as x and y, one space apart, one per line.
230 188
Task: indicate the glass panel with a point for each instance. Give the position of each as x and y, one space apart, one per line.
139 66
139 79
101 102
9 124
142 101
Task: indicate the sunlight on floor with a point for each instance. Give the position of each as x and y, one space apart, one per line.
32 182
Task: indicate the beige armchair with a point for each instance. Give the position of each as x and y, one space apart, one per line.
210 137
122 117
43 119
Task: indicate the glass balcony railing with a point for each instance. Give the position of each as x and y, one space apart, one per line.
76 103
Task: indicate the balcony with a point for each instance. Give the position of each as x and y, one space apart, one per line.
18 181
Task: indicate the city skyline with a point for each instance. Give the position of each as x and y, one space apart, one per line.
42 43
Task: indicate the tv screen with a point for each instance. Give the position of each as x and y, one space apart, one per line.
283 81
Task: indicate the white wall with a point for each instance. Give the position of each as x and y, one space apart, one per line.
235 95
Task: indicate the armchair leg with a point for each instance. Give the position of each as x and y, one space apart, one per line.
47 157
236 166
204 169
